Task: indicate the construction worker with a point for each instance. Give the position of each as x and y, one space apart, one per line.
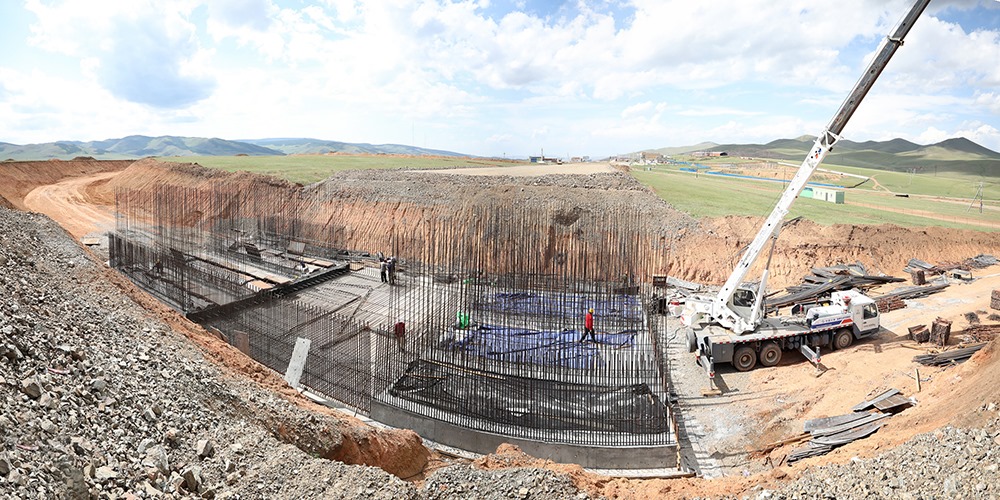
399 330
383 270
588 326
462 320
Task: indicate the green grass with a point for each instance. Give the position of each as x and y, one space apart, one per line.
711 196
306 169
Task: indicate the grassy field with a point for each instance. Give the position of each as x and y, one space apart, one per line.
306 169
712 196
704 195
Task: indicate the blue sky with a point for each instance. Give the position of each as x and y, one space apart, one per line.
495 77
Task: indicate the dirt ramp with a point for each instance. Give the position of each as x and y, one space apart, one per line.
21 177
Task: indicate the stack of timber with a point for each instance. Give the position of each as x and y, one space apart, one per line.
940 331
825 280
831 432
894 299
951 357
981 333
919 334
891 303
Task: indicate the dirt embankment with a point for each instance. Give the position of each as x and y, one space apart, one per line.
365 209
21 177
378 210
709 255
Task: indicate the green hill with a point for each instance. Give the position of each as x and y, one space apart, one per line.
319 146
958 155
133 146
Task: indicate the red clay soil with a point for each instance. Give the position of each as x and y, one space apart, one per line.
21 177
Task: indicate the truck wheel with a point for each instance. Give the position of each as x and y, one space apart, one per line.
691 341
842 339
770 354
744 359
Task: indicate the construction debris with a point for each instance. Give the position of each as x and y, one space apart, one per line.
830 432
982 261
980 333
955 269
919 334
940 331
949 357
894 299
825 280
995 300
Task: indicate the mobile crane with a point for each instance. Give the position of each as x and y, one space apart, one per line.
731 325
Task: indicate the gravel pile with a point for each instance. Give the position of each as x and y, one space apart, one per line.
947 463
103 401
100 400
463 481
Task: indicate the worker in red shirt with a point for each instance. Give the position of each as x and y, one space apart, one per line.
588 326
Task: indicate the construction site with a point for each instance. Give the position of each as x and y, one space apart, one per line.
510 332
473 321
475 340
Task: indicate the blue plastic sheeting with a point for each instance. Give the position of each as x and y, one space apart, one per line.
539 347
724 174
532 403
569 306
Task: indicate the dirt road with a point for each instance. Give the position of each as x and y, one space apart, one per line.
532 170
68 203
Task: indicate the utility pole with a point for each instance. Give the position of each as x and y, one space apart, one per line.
979 196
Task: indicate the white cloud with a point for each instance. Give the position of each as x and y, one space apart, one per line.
141 51
366 71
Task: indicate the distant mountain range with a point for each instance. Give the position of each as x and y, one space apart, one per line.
319 146
140 146
958 154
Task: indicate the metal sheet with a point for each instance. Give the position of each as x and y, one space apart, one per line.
823 423
864 405
837 429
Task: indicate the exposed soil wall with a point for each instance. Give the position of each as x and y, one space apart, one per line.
364 209
709 255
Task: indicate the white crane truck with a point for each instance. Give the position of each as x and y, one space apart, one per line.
730 326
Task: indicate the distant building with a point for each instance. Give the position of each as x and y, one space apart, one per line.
709 153
545 159
830 195
650 158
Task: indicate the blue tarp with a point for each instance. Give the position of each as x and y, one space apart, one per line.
740 176
540 347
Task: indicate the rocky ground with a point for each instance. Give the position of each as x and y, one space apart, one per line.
104 400
948 463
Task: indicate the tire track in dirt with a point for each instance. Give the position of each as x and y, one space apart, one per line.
68 203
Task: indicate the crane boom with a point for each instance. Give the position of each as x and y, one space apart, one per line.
721 310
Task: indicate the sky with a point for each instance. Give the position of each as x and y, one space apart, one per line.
494 77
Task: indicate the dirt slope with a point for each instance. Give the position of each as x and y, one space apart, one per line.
21 177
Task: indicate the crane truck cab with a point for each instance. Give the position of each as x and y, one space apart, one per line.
848 308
